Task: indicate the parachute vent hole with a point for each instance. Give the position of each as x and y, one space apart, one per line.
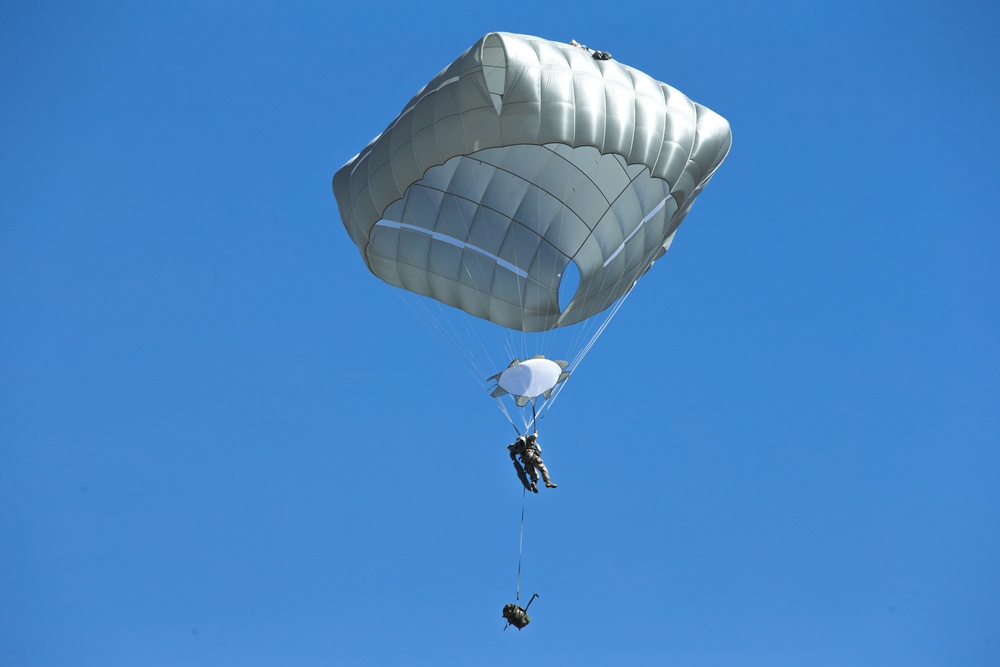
568 284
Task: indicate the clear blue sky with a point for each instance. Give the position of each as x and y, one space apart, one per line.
784 451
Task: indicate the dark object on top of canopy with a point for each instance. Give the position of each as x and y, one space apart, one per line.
520 158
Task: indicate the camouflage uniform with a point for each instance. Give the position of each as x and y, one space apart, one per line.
531 458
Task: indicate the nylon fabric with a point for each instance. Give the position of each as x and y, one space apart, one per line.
522 156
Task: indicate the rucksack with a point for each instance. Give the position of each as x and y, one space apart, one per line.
515 615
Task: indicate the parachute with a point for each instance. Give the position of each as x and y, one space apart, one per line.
530 379
527 187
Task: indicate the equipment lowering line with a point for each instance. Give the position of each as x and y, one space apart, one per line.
520 546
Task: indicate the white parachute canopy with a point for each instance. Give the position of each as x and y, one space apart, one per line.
525 380
528 186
